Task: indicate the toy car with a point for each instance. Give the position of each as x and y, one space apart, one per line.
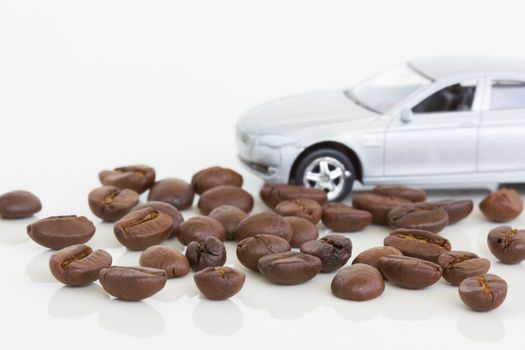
431 122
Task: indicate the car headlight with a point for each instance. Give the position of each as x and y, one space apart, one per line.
275 140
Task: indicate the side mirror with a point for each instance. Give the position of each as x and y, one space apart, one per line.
406 115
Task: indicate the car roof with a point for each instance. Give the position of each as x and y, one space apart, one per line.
437 67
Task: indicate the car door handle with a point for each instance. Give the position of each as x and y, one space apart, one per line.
467 124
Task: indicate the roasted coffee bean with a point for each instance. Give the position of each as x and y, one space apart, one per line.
111 203
358 282
251 249
418 243
78 265
409 193
379 205
507 244
165 208
303 231
422 216
219 283
371 256
132 283
173 191
143 228
19 204
165 258
483 293
408 272
340 217
135 177
198 228
229 217
273 194
304 208
458 265
208 253
333 250
215 176
264 223
503 205
457 209
57 232
225 195
289 267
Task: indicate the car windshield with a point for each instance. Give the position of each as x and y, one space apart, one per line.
387 89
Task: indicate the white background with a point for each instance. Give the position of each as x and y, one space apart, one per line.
88 85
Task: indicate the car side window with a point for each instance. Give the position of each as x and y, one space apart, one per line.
453 98
507 94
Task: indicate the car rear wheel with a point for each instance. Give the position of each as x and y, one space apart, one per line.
329 170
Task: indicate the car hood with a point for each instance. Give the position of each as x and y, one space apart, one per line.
286 115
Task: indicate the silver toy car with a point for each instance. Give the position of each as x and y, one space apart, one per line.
431 122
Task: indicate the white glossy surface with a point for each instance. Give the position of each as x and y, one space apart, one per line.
91 85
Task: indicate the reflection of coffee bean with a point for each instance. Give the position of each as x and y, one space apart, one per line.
358 282
78 265
143 228
132 283
19 204
57 232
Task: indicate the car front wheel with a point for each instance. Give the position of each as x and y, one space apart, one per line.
326 169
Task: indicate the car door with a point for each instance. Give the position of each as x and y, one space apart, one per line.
502 129
440 136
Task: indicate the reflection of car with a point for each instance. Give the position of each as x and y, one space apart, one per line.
439 121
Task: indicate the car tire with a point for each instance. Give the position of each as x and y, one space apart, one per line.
319 169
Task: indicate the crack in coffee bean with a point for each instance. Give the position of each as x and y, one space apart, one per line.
84 253
137 222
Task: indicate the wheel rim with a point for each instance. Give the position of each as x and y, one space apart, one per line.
328 174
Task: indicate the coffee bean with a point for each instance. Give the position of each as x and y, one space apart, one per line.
289 267
371 256
215 176
143 228
418 243
208 253
409 193
273 194
135 177
198 228
175 192
422 216
251 249
457 209
340 217
57 232
507 244
378 205
78 265
132 283
19 204
458 265
219 283
408 272
111 203
303 231
264 223
165 258
358 282
229 217
304 208
333 250
483 293
503 205
225 195
165 208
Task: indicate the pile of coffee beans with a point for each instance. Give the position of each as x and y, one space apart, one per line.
282 244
